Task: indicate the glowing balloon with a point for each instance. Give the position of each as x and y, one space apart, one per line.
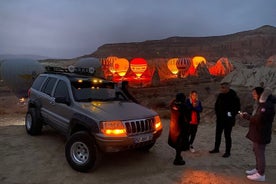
111 60
121 66
198 60
138 66
183 64
172 65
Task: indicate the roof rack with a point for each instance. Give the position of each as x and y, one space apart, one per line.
70 69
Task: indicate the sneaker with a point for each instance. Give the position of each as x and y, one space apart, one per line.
214 151
192 149
256 177
250 172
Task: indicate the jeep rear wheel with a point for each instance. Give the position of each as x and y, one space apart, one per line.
81 152
32 123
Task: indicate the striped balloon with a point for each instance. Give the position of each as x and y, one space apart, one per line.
183 64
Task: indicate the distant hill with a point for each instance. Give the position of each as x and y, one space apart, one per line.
254 46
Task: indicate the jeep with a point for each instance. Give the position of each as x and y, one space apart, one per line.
93 113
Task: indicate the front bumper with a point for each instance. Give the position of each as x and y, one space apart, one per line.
116 144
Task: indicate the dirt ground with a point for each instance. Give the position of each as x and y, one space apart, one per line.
41 159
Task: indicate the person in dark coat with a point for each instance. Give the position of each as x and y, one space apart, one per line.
194 104
227 106
260 129
179 125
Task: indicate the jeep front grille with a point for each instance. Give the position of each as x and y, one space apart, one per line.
139 126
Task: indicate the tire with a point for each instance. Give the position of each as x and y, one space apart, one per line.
81 152
33 124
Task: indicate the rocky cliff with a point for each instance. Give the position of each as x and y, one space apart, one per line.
248 47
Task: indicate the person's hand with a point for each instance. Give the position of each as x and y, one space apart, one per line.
174 108
245 115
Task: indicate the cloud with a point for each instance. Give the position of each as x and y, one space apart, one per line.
69 28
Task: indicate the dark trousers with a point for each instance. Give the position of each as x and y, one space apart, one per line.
227 129
181 144
259 150
192 133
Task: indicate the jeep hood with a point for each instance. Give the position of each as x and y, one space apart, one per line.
117 110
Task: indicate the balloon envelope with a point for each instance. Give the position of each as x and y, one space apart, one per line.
183 64
19 74
121 66
138 66
198 60
90 62
172 65
110 61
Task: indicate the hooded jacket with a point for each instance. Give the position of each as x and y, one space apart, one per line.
260 127
179 122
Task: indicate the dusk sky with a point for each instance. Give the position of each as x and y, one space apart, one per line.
72 28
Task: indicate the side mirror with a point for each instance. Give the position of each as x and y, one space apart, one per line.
63 100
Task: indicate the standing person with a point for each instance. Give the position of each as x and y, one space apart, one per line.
179 124
227 106
125 89
194 104
260 129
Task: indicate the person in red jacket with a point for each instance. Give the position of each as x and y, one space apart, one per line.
260 129
194 104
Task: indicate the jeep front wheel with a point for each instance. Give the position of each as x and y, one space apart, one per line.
33 124
81 152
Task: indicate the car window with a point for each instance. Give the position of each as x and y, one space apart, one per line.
61 90
49 85
87 91
38 82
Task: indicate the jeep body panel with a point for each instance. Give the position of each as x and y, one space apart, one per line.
73 112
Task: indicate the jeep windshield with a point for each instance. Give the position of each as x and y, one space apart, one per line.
87 91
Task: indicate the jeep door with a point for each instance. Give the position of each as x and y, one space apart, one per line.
61 112
46 97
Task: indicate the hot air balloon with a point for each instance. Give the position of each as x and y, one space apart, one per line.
172 65
110 61
138 66
18 74
121 66
183 64
91 62
198 60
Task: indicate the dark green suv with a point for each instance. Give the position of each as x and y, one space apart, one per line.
94 115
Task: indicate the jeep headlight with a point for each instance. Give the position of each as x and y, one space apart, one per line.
113 128
157 123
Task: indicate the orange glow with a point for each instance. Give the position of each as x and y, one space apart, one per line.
138 66
221 68
172 65
121 66
198 60
115 132
22 100
158 124
110 60
207 177
113 128
192 71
